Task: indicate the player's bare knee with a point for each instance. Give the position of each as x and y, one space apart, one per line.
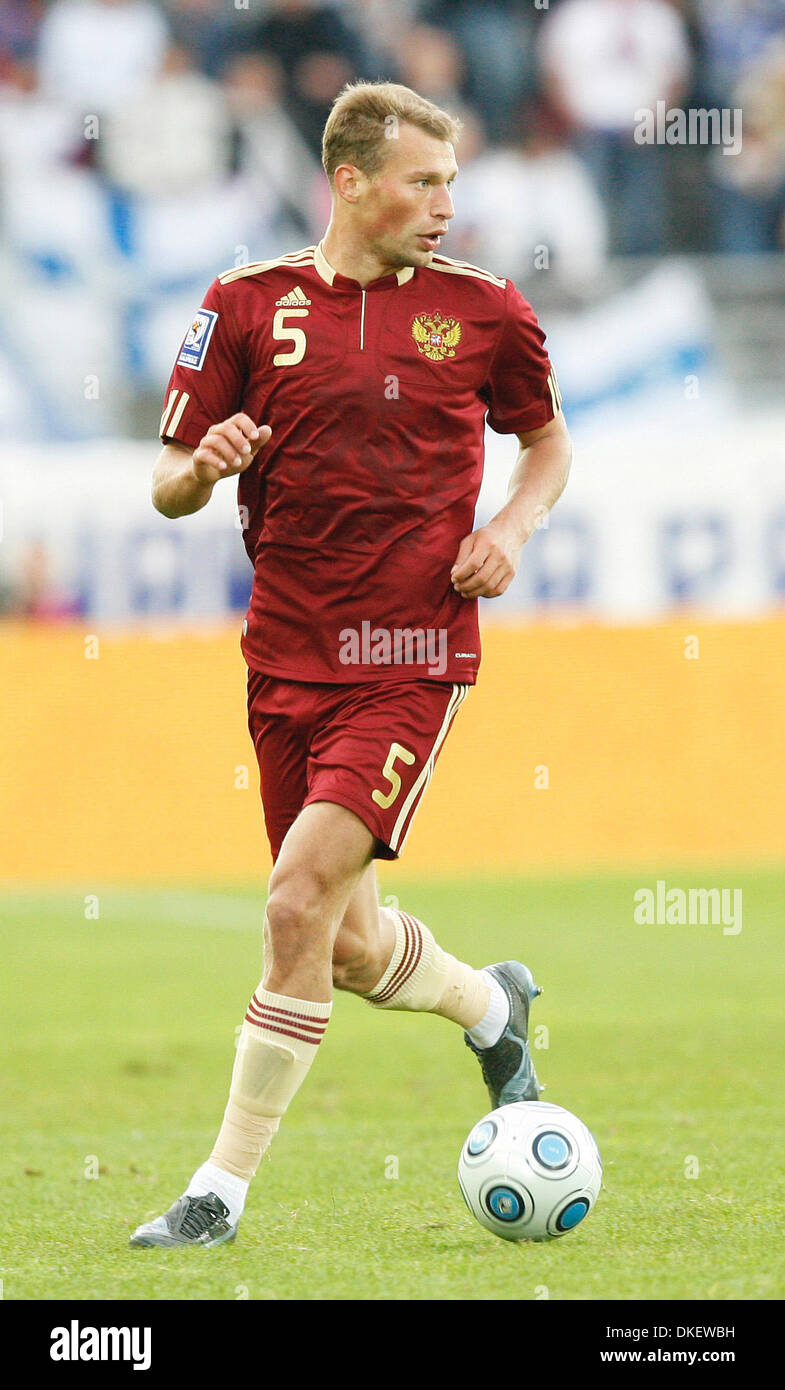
296 926
290 918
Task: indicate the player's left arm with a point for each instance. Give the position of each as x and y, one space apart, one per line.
488 558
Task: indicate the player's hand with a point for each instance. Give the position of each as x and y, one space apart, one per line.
486 562
228 448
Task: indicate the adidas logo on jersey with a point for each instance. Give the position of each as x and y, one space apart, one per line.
293 300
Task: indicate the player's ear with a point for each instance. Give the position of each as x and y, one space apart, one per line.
348 182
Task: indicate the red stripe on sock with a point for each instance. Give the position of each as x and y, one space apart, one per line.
288 1013
411 958
287 1032
417 929
313 1032
403 964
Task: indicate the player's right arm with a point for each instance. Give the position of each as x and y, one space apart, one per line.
183 478
204 431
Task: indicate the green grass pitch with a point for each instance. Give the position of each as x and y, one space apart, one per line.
667 1040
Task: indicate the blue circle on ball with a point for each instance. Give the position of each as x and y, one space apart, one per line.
481 1137
552 1150
572 1214
504 1204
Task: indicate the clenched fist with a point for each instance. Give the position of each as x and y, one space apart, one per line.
228 448
486 562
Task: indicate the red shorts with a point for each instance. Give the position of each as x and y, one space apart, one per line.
370 747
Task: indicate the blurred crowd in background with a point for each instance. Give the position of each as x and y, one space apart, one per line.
209 113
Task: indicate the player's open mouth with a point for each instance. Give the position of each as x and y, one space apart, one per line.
432 242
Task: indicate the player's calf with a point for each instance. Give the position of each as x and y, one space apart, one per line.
363 948
423 978
492 1005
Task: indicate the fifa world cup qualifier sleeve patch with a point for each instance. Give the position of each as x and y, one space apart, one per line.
197 339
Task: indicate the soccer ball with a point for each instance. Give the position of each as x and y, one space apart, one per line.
530 1171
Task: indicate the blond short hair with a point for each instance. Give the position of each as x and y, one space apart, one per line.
365 115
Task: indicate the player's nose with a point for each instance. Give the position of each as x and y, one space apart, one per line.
441 205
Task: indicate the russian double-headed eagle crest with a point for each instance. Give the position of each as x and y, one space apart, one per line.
436 338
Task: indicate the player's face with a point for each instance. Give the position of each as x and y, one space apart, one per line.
407 206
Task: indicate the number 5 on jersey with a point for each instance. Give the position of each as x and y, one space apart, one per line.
285 334
385 799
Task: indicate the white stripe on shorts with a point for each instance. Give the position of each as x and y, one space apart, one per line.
412 802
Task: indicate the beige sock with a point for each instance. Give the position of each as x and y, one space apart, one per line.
243 1140
278 1042
425 979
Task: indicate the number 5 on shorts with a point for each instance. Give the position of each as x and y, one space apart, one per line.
385 799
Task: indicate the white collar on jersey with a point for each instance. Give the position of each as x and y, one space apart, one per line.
323 268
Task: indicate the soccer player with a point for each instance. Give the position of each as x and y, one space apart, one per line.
347 385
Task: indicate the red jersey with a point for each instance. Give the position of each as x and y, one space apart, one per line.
352 514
